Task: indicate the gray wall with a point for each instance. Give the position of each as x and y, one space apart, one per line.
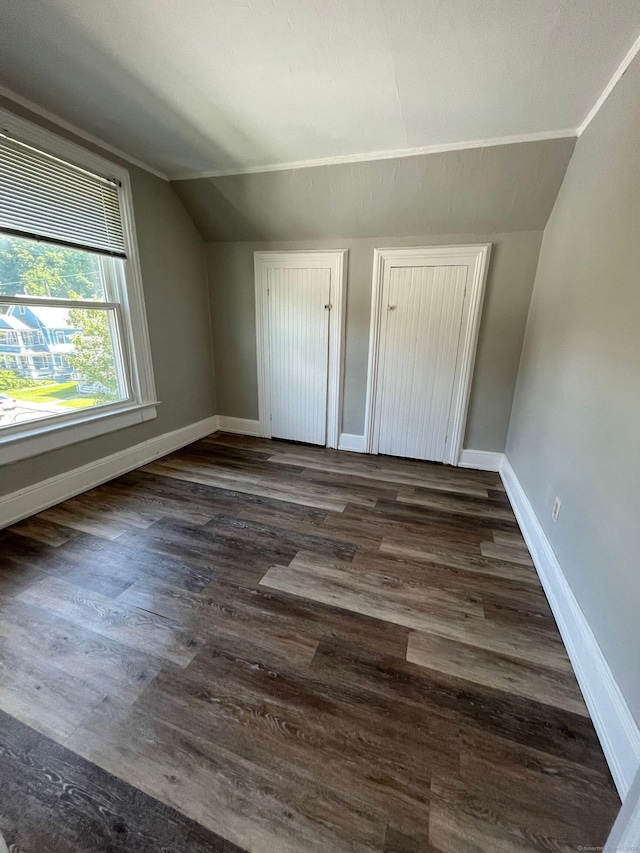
511 276
501 194
473 191
175 291
576 420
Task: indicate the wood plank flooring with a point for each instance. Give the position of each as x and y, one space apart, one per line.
292 649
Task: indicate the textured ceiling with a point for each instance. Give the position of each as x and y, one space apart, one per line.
195 85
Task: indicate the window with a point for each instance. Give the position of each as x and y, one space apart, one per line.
57 284
74 350
27 339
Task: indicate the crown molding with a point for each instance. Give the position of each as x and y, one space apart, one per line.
378 155
608 89
431 149
77 131
341 159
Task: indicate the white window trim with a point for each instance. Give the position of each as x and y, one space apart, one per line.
38 437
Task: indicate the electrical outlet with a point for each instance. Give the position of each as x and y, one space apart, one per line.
555 512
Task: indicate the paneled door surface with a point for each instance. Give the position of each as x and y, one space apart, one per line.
421 319
299 311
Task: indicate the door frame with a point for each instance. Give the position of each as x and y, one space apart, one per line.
336 261
476 257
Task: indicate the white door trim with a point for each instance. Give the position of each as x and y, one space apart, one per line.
336 261
476 257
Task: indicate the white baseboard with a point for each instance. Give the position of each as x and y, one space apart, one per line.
241 426
618 732
482 460
354 443
41 496
626 830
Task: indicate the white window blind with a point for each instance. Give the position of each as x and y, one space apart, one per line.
46 198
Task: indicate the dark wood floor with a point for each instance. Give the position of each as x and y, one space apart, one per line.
298 650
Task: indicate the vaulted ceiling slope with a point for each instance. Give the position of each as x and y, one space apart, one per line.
475 191
192 86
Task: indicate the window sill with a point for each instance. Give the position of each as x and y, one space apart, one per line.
42 437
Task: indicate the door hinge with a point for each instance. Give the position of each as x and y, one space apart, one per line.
329 306
268 292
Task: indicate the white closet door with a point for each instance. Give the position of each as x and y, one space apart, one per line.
299 352
420 331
